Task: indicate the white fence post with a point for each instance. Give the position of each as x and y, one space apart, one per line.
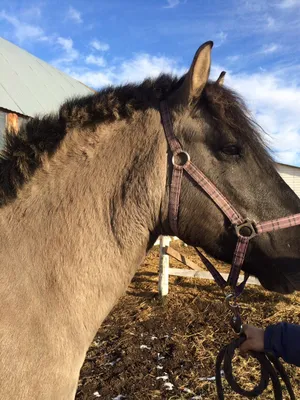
164 260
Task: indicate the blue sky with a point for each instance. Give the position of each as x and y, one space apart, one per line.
111 42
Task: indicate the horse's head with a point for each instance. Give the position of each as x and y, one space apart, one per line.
214 127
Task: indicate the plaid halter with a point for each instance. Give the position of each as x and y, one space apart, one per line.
245 229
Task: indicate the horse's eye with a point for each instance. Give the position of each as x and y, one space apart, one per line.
231 150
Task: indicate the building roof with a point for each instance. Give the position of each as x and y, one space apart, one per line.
30 86
288 165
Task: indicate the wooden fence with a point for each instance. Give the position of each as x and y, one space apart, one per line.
194 271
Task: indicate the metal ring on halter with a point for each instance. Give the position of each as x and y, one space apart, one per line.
186 155
246 229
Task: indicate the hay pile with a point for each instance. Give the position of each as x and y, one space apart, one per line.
146 350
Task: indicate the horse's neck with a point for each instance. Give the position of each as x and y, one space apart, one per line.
78 231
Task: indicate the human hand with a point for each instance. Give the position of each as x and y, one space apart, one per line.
254 341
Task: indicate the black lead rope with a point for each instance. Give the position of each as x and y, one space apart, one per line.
270 368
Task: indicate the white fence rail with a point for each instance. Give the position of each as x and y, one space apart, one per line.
195 270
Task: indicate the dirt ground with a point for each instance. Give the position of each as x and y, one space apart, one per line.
149 350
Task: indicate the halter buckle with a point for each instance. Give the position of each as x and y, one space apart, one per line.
247 229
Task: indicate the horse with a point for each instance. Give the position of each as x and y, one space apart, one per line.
84 195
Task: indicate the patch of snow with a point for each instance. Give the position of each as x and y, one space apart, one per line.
96 394
210 378
165 377
196 398
119 397
143 346
159 357
169 385
154 337
112 363
186 390
160 367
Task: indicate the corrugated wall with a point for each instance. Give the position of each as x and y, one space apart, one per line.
291 175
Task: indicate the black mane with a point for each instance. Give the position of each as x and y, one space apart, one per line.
23 152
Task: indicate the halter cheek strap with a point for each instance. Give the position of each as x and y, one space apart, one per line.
245 229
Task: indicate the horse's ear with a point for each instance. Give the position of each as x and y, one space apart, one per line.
220 80
197 76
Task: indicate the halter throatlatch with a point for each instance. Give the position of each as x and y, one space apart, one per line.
245 230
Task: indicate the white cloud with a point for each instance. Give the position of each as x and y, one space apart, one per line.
274 101
32 12
100 46
269 49
270 22
22 30
220 38
99 61
145 65
91 78
288 157
136 69
288 3
74 15
66 43
233 59
172 3
69 53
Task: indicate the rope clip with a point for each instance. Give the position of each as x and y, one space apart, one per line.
236 320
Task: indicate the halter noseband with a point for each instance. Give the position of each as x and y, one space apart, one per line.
245 229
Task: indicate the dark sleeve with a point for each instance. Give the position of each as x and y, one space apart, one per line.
283 340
